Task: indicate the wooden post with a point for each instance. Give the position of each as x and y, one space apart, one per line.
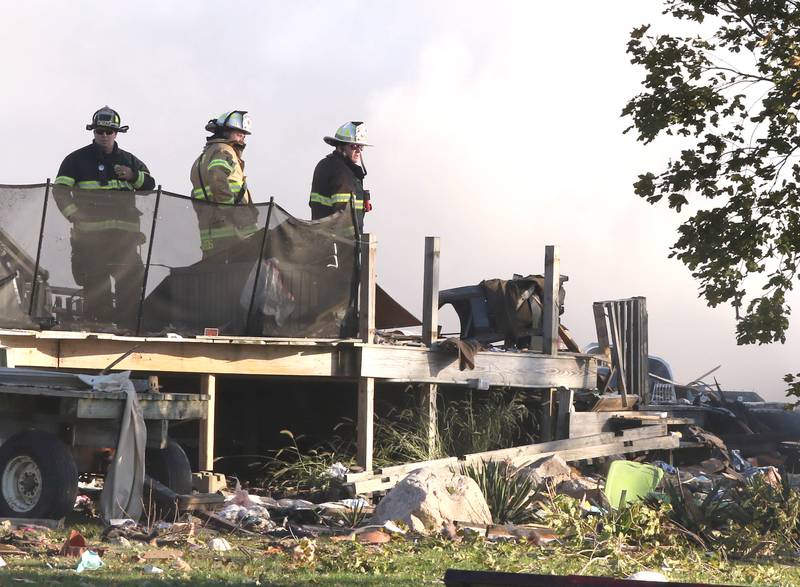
430 332
208 386
564 409
552 284
365 429
366 421
602 330
366 319
547 427
430 291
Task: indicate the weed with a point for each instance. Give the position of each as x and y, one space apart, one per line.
291 470
352 517
508 493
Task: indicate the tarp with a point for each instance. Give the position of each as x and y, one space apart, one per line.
141 271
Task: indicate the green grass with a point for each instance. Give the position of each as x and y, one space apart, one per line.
418 561
401 562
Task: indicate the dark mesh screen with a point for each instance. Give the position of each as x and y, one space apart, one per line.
131 263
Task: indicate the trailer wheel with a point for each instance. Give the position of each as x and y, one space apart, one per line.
170 466
38 477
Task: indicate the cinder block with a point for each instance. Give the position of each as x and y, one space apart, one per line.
207 482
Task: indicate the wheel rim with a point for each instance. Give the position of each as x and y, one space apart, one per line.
22 483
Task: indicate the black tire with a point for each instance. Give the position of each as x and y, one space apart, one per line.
170 466
38 476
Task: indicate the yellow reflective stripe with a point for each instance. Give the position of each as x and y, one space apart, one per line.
210 234
320 199
65 180
220 163
340 198
335 199
139 180
69 210
107 225
113 184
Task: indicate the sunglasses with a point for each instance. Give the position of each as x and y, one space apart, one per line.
98 131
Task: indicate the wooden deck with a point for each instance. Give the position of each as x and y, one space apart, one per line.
357 360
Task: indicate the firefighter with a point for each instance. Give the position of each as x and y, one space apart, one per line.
94 190
218 178
340 175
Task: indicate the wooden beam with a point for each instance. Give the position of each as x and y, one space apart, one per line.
627 441
366 422
208 386
185 356
552 284
590 423
536 451
366 318
529 370
430 291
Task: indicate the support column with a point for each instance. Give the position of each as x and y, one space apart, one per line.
565 408
430 332
365 430
208 386
552 284
366 420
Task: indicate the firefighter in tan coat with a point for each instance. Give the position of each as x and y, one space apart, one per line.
225 211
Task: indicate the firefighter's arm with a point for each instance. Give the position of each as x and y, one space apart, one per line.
141 178
219 165
62 189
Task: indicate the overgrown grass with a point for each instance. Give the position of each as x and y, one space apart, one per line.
476 422
473 423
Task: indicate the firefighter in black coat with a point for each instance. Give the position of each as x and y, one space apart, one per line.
94 190
339 177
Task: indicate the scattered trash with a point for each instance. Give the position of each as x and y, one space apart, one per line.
374 536
629 481
75 545
666 467
648 576
161 554
153 570
90 561
3 563
393 528
219 545
338 471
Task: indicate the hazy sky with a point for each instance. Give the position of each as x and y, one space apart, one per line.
496 127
